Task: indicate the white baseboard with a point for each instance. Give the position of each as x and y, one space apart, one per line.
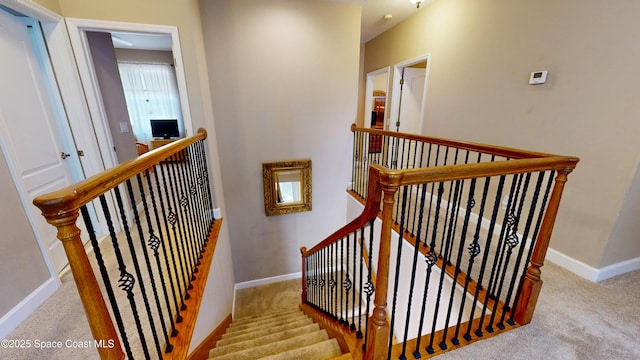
266 281
27 306
588 272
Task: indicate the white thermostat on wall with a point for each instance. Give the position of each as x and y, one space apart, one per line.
538 77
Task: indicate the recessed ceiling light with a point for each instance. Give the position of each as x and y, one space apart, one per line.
388 17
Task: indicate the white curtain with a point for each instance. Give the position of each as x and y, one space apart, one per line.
151 92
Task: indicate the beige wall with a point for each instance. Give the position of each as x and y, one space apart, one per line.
106 67
482 53
185 15
22 267
284 77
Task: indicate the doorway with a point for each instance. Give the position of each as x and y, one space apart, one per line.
377 90
145 37
410 94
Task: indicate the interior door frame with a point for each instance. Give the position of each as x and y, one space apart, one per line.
395 94
77 29
368 99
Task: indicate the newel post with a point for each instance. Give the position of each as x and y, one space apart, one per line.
379 330
532 283
303 252
99 319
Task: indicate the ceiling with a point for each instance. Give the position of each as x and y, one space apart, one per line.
373 11
372 24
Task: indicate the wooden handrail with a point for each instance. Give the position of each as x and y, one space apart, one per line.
463 145
61 209
71 198
384 183
468 171
371 209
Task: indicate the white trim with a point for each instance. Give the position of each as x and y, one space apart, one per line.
588 272
368 100
266 281
395 92
618 269
32 10
27 306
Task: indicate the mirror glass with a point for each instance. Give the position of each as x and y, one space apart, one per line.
287 187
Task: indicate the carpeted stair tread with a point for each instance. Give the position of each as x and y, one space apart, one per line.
319 351
262 326
277 347
226 340
274 314
267 339
267 322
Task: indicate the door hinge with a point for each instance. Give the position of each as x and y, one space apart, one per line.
80 152
401 81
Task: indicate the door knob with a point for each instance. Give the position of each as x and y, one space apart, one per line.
64 155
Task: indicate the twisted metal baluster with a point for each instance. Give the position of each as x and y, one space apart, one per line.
103 269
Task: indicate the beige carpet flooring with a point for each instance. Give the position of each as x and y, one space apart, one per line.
574 319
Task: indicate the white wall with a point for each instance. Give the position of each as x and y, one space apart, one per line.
284 78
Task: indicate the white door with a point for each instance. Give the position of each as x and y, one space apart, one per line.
411 101
29 129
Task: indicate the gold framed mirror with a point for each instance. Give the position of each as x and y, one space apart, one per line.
287 187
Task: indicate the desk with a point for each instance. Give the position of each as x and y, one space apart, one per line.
156 143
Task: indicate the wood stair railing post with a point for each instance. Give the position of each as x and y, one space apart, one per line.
532 283
379 330
94 305
303 252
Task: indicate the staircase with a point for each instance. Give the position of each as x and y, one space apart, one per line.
288 334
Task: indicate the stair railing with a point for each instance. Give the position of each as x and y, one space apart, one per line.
474 235
149 224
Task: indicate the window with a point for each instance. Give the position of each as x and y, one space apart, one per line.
151 92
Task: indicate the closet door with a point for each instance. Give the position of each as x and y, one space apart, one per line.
29 131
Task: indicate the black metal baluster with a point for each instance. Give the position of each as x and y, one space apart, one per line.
207 186
474 250
413 277
501 248
179 201
485 258
348 284
170 219
354 185
525 234
534 238
470 204
187 206
195 208
127 281
447 256
154 243
512 241
369 288
340 284
147 262
361 241
429 347
355 281
190 248
397 272
103 269
334 277
177 224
